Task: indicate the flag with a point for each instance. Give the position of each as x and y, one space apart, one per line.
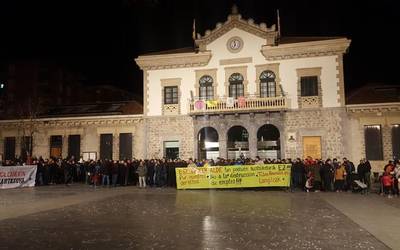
230 102
212 103
241 101
199 105
194 29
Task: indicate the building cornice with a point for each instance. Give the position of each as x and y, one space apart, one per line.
74 121
306 49
373 107
236 21
170 61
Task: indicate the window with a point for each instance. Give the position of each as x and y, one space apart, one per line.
171 95
309 85
206 90
373 142
106 146
236 88
267 84
396 141
26 147
9 148
125 146
56 142
74 146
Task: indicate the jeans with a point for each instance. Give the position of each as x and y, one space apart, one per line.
114 179
142 181
106 178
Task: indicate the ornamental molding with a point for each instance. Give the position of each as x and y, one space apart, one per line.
373 108
306 49
73 123
236 21
171 61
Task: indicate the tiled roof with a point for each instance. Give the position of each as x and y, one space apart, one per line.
171 51
374 93
302 39
114 108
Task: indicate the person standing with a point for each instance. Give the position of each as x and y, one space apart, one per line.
340 173
142 171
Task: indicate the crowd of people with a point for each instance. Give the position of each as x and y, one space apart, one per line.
306 174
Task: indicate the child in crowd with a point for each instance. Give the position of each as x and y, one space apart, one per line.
387 183
309 183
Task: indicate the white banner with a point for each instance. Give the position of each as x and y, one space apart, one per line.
17 176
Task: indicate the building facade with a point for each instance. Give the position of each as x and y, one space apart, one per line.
242 91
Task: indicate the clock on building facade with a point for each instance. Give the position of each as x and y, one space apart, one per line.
235 44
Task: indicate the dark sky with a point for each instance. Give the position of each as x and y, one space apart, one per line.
101 38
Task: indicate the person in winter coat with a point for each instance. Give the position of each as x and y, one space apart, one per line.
142 171
340 174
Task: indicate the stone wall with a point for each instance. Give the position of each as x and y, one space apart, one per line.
169 128
89 128
329 123
250 121
360 118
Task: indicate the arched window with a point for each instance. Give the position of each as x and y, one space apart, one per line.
236 88
267 84
206 91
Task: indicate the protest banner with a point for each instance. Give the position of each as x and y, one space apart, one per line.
17 176
268 175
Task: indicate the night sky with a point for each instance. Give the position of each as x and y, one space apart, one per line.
101 38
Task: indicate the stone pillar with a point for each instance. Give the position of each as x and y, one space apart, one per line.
64 150
253 143
195 146
115 154
18 140
223 140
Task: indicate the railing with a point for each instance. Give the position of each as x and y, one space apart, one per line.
228 104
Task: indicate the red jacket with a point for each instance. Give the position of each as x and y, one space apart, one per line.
387 180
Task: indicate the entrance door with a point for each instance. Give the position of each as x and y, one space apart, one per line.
74 146
9 148
56 146
106 146
312 147
171 149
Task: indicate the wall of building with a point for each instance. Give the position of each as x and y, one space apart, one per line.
248 57
173 128
88 128
360 119
328 123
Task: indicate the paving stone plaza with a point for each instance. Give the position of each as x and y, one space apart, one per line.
80 217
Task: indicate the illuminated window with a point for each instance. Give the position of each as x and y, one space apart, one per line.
171 95
267 84
206 91
236 88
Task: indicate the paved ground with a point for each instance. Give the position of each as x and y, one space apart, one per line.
79 217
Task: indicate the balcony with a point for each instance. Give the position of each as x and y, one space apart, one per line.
242 104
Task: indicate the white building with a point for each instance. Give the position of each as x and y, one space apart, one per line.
245 90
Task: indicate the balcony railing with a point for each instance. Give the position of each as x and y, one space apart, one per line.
228 104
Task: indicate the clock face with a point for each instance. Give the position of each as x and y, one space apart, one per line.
234 44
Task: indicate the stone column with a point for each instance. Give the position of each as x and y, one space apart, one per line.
64 150
223 140
195 146
253 142
115 154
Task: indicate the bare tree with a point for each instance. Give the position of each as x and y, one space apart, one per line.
28 112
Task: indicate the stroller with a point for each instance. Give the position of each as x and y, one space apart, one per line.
359 187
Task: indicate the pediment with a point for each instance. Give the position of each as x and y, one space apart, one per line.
235 21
